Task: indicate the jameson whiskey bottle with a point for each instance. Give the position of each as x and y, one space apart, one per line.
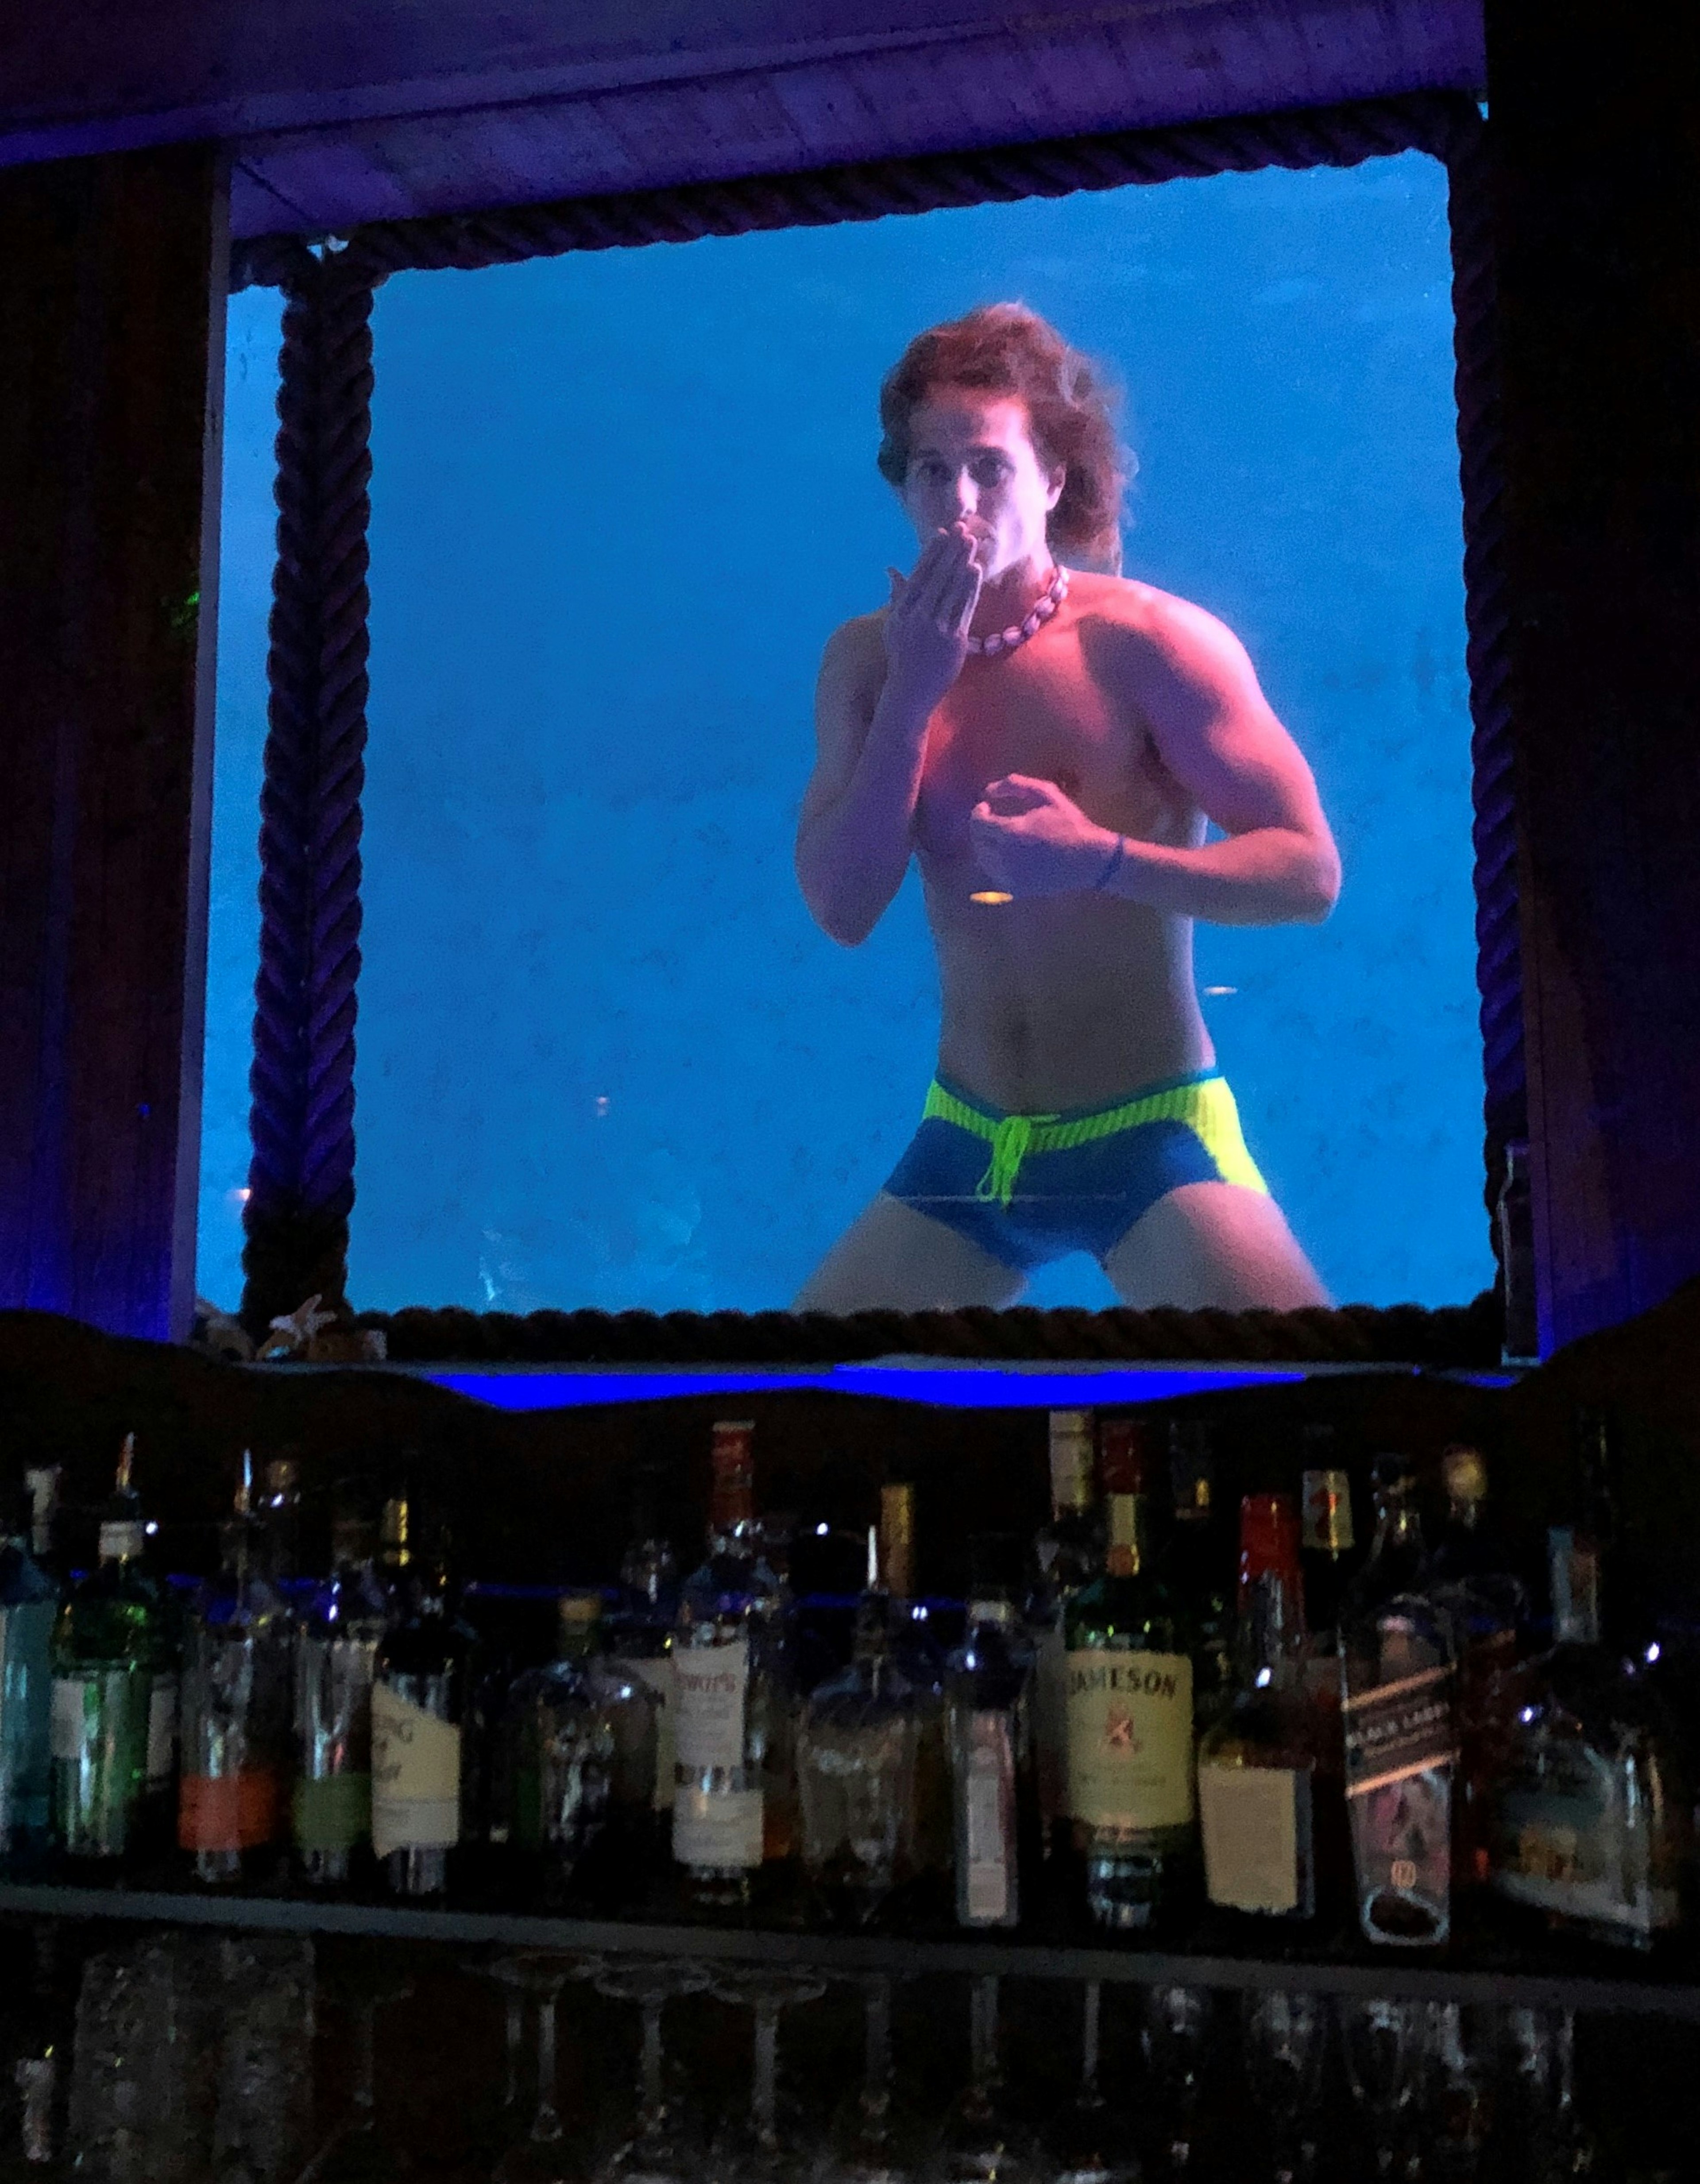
419 1710
1067 1553
336 1659
235 1691
732 1732
29 1603
1397 1650
1129 1727
989 1684
114 1697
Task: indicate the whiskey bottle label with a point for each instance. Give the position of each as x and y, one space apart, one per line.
1572 1856
710 1687
1327 1511
122 1542
989 1880
1397 1729
717 1827
1256 1825
333 1813
1130 1740
415 1775
228 1812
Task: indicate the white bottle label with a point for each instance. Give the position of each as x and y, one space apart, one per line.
988 1816
65 1725
1129 1730
711 1686
122 1542
1254 1822
654 1671
717 1827
162 1732
415 1776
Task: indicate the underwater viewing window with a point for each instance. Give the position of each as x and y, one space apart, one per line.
608 1057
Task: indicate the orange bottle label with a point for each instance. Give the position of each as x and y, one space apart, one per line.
229 1812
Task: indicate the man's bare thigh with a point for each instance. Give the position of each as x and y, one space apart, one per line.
893 1259
1213 1245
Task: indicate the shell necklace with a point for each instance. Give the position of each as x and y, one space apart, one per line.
1039 613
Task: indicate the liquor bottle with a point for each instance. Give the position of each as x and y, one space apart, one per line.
1257 1767
42 1483
1198 1565
989 1682
583 1738
1129 1730
280 1517
420 1677
336 1656
732 1731
1469 1545
29 1603
855 1764
1068 1552
236 1705
114 1698
640 1634
1329 1555
916 1655
1592 1814
1397 1652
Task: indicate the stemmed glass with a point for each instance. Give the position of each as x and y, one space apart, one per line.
539 1974
979 2143
1286 2047
864 2152
754 2151
660 2150
1537 2081
1174 2041
1459 2116
1383 2041
1081 2137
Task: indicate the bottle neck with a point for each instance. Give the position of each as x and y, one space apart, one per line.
1127 1549
1398 1526
1272 1626
1574 1569
732 1518
1071 1470
1326 1512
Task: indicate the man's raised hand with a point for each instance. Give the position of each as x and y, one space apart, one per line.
926 627
1032 840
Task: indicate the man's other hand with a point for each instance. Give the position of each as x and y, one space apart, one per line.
1031 840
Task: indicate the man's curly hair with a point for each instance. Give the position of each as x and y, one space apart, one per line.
1007 349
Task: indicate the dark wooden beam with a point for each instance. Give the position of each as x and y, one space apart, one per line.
112 311
1592 107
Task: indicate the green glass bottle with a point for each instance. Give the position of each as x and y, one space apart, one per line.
114 1693
1129 1730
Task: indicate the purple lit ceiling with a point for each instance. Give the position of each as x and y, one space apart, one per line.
340 111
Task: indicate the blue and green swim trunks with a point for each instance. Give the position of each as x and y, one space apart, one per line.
1029 1189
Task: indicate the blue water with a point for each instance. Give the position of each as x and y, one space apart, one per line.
619 500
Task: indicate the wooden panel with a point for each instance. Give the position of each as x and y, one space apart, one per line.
1592 113
112 299
1072 73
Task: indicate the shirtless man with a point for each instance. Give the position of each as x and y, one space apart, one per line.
1056 792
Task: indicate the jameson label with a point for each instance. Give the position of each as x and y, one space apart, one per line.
334 1813
989 1847
122 1542
656 1673
717 1827
1256 1825
415 1775
162 1732
711 1684
1327 1511
228 1812
1130 1740
1397 1729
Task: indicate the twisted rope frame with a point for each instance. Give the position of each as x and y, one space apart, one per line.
301 1183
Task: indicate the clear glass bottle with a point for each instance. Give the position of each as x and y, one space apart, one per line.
1198 1564
640 1633
29 1604
989 1684
1130 1752
1257 1767
1067 1553
336 1642
1592 1815
583 1741
420 1678
733 1790
235 1707
115 1696
1397 1655
855 1764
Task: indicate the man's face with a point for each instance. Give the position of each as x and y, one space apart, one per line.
971 455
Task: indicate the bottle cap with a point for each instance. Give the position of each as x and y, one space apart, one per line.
1268 1536
1465 1474
580 1611
1122 1451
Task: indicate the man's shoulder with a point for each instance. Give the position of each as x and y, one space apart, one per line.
855 650
1162 617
